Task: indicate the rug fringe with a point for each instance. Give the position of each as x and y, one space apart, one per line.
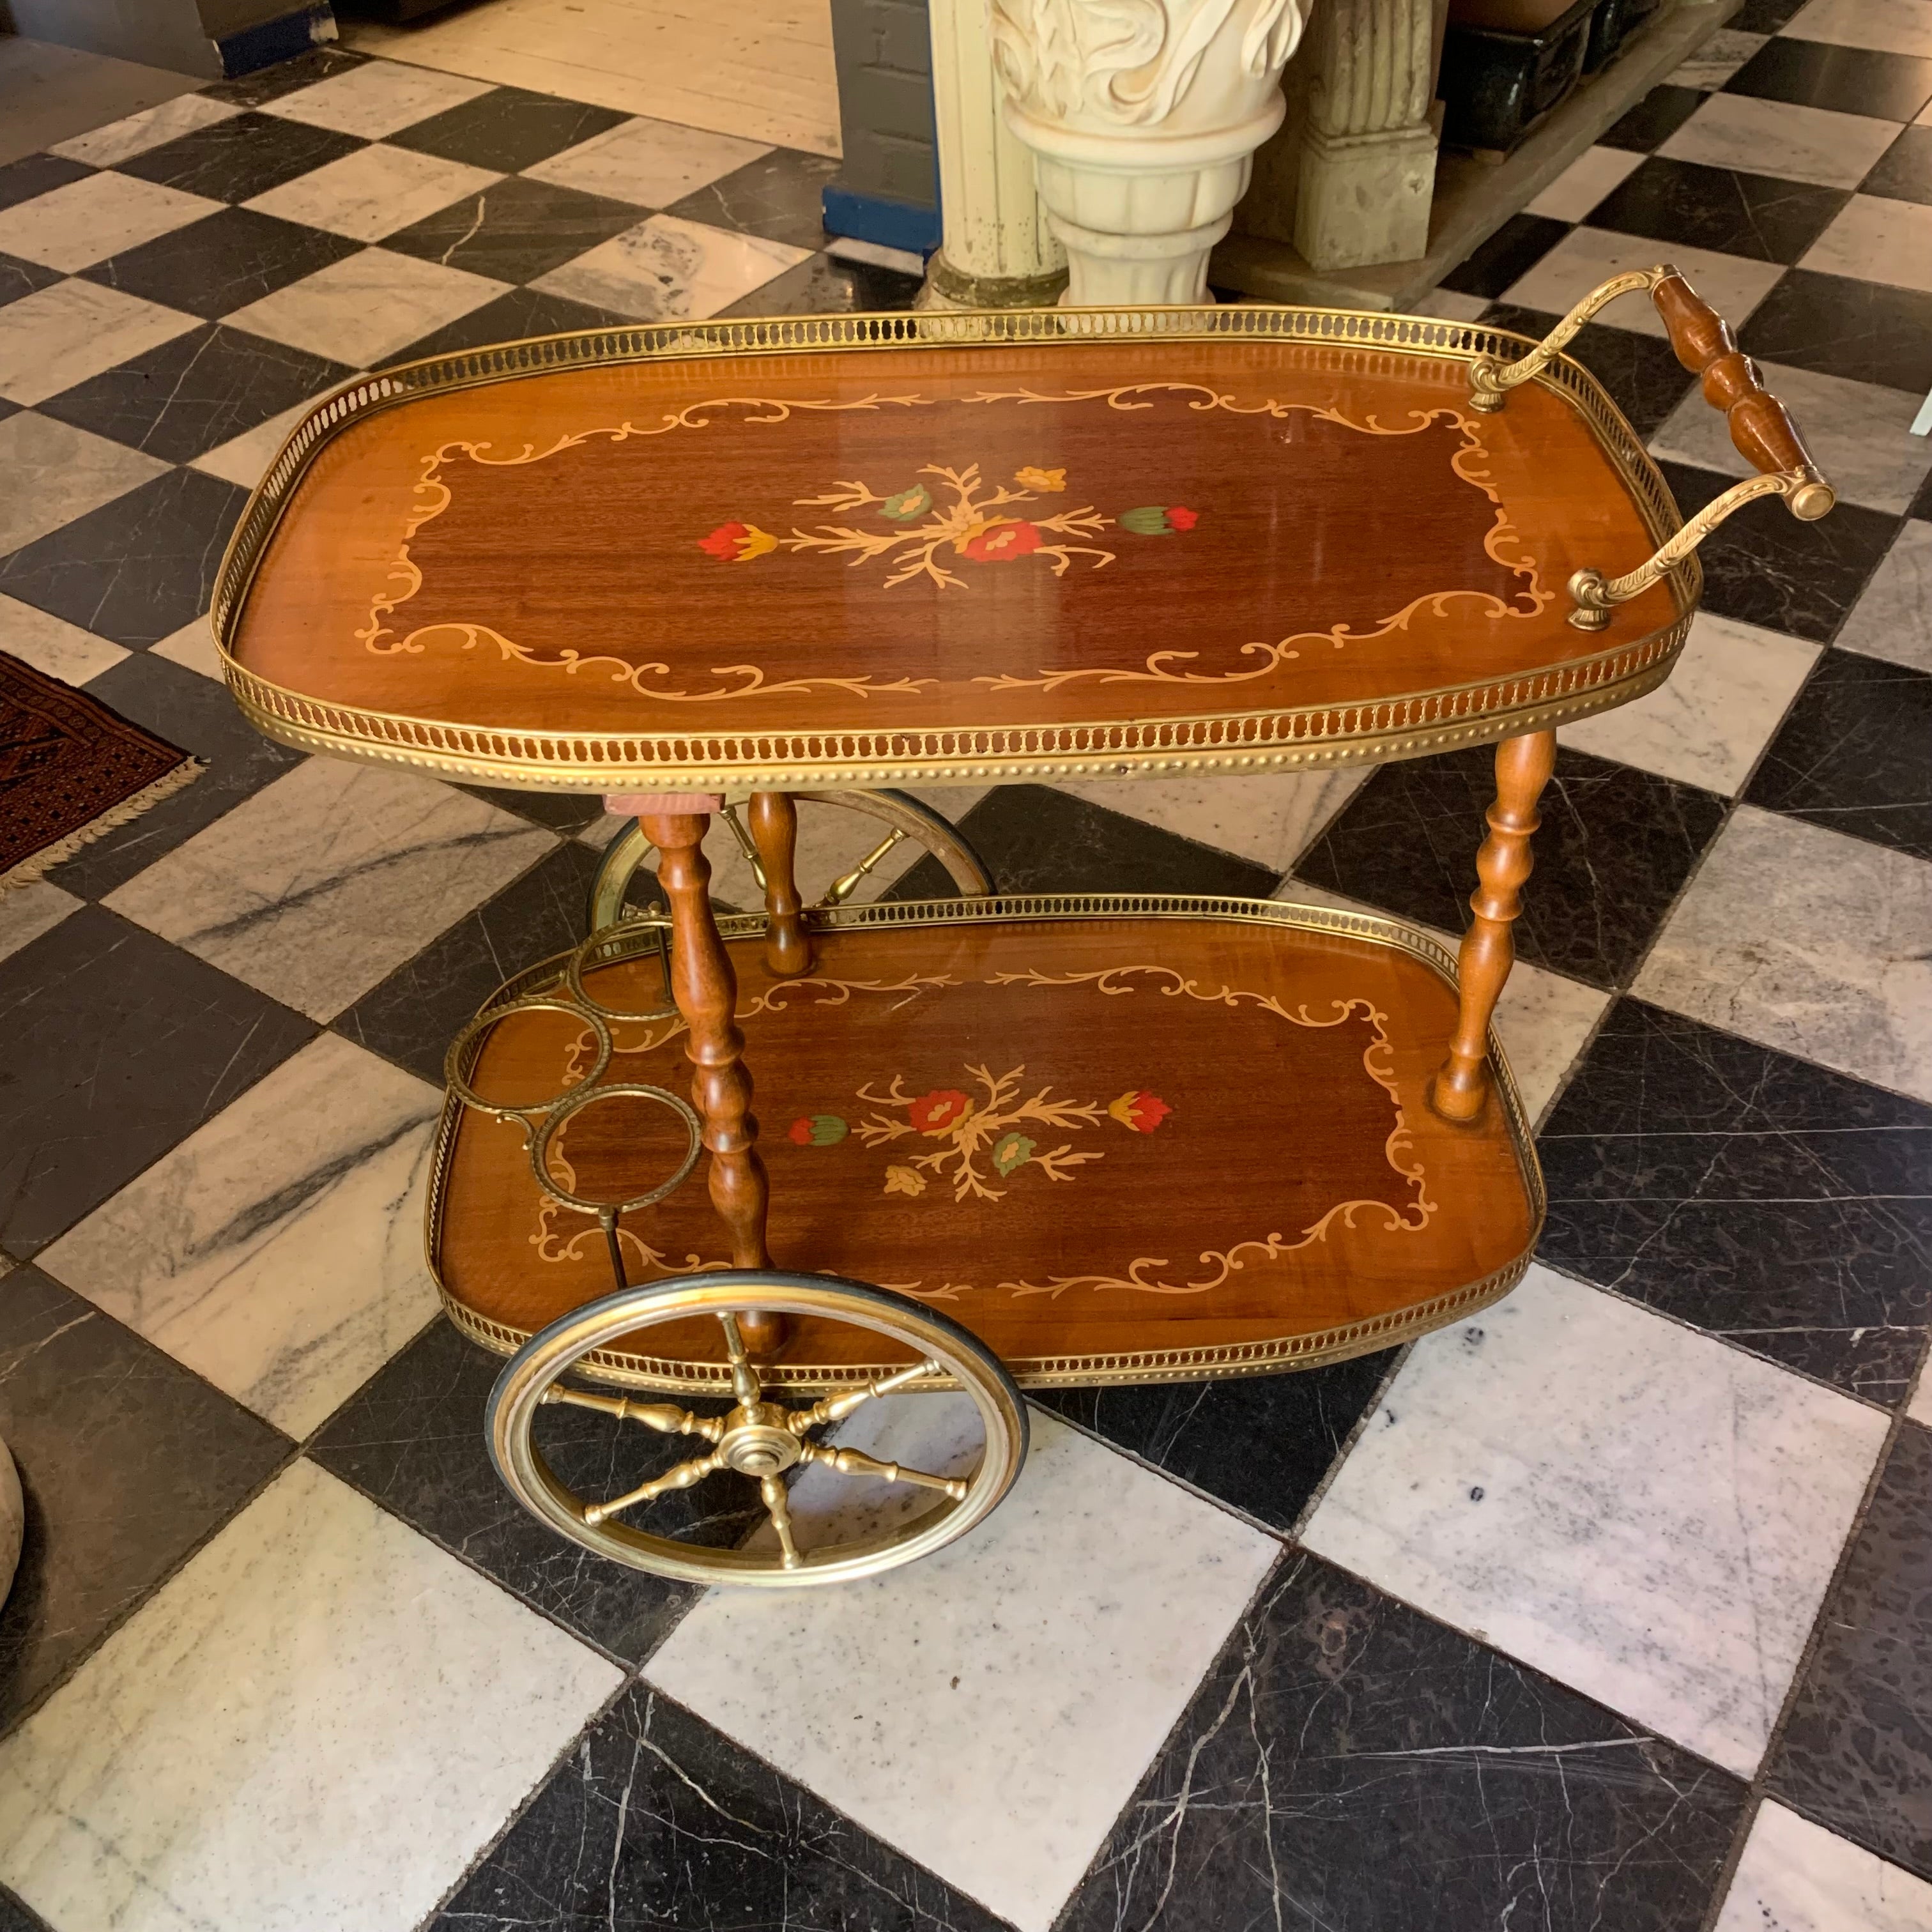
37 864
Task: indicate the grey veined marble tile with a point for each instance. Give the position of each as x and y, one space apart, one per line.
1809 941
316 1725
1647 1515
278 1250
1893 619
322 883
667 269
1796 1877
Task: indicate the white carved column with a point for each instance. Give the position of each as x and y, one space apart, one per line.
1368 154
998 252
1142 115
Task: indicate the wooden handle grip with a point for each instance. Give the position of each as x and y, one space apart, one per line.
1764 434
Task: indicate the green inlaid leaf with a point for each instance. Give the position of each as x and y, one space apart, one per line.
904 505
1149 521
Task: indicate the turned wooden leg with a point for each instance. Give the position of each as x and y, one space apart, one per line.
1523 765
773 816
706 990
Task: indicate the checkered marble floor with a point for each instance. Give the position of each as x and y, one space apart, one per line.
1612 1609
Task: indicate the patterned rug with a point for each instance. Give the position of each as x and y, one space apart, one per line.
70 770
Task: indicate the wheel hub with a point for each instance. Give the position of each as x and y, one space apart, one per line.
756 1443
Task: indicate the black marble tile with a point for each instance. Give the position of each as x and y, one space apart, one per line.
1762 566
1034 839
197 714
126 1460
195 391
1904 170
1755 1196
19 278
507 129
413 1439
1851 754
1616 846
1347 1765
1645 127
1856 1754
1643 374
1262 1443
271 83
1510 252
242 157
779 196
411 1017
826 287
1756 216
38 175
656 1823
137 569
1764 16
118 1046
1849 80
510 318
1838 326
514 230
14 1917
223 262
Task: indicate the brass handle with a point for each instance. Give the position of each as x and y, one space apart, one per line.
1761 428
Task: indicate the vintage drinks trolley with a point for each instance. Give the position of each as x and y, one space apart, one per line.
1066 1138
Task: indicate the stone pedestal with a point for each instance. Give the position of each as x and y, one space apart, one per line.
998 250
1142 116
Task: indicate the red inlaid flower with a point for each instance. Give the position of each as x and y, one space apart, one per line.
738 543
820 1130
1000 541
1183 519
1142 1112
939 1111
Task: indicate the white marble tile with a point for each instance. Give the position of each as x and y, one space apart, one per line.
1450 305
1919 1409
1706 725
278 1250
1586 257
27 911
1585 182
900 1700
314 1726
1719 58
1893 619
1543 1020
668 269
377 98
121 140
360 311
74 226
244 459
1796 1877
650 162
61 335
1810 144
51 473
1648 1515
1887 26
326 880
1875 239
1860 433
1808 941
1271 819
61 649
373 192
192 647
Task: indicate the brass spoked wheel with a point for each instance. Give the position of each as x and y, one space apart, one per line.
844 839
832 1511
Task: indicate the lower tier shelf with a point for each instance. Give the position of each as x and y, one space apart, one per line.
1121 1139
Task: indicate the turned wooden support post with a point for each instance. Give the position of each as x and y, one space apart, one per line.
705 989
1523 765
773 816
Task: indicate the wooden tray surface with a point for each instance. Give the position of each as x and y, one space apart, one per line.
1116 1148
925 561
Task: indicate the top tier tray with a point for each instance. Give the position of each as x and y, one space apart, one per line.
869 550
